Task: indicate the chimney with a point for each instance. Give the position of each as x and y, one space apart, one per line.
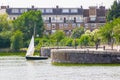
7 6
57 6
81 6
33 6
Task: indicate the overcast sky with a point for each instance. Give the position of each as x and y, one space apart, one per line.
53 3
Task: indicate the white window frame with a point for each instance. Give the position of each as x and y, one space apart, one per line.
15 10
42 10
23 10
74 10
65 10
49 10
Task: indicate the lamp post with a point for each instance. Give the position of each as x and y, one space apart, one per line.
75 43
112 41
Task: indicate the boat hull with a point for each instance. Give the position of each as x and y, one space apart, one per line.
36 57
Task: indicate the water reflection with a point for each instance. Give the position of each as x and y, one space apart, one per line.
18 68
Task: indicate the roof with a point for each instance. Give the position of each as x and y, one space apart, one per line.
55 11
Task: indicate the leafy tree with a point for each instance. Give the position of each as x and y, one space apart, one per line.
77 32
84 40
75 42
116 31
29 22
5 31
17 41
69 42
96 38
58 36
114 12
107 32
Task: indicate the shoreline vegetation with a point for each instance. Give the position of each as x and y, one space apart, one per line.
12 54
83 64
15 54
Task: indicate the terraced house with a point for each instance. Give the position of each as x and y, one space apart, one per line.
65 19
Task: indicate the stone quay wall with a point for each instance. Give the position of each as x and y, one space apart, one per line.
84 56
46 51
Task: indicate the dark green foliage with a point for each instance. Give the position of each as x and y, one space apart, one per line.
69 42
84 40
5 31
114 12
58 35
17 41
116 31
29 22
110 31
77 32
4 42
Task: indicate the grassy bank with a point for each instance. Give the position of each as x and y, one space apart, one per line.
15 53
75 64
12 53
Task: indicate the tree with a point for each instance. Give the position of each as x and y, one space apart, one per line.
116 31
58 36
96 37
5 31
77 32
84 40
114 12
17 41
29 22
69 42
107 32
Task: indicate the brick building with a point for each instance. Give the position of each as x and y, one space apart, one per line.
65 19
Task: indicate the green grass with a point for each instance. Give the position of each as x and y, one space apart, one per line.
78 64
15 53
12 53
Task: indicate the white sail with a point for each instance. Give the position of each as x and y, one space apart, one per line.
31 49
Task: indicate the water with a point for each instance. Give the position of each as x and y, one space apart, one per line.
17 68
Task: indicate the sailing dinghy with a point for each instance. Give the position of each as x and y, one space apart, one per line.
30 52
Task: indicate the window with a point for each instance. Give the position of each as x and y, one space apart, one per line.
46 18
101 18
23 10
60 18
53 19
15 10
49 10
74 10
74 19
78 25
64 19
48 25
65 25
79 18
42 10
73 25
49 19
86 25
93 25
92 18
53 26
65 10
60 25
53 31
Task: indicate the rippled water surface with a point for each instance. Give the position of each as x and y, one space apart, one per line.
18 68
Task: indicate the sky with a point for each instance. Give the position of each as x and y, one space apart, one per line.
53 3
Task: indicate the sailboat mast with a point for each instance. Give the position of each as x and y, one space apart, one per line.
34 30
